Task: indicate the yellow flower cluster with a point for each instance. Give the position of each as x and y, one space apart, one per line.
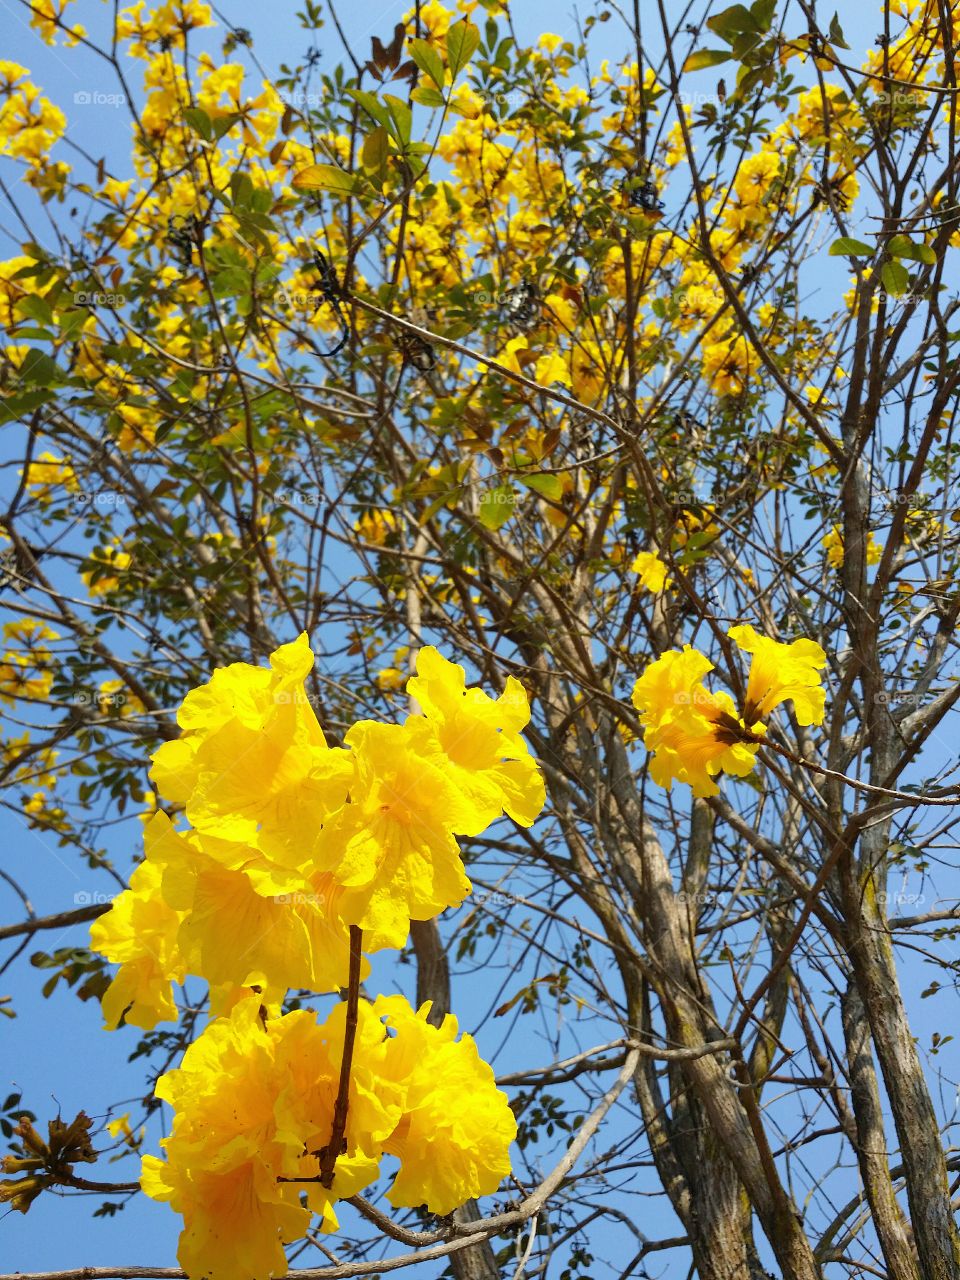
695 734
26 669
239 1159
291 843
833 545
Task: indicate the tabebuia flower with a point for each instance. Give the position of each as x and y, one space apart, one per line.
652 571
479 741
251 764
254 1101
139 933
454 1135
293 841
695 734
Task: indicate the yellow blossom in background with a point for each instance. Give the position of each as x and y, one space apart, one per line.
833 545
652 571
48 473
694 734
390 679
376 526
99 583
727 365
120 1128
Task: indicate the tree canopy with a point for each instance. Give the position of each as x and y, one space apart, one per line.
480 522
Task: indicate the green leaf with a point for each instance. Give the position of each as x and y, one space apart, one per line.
762 12
428 97
34 307
325 177
836 33
39 368
904 247
241 189
376 148
401 118
733 22
845 247
428 60
199 122
462 39
496 506
706 58
372 105
547 486
895 278
223 124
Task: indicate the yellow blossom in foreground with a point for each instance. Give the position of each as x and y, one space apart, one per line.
454 1136
251 764
480 741
139 932
392 847
652 571
254 1100
782 672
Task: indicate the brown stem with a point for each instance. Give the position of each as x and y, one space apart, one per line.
328 1156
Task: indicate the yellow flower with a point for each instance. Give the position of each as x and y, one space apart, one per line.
97 582
453 1139
251 764
253 1104
389 679
49 472
694 734
727 365
392 847
139 932
376 526
833 544
120 1128
780 672
243 918
652 571
251 1098
480 738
